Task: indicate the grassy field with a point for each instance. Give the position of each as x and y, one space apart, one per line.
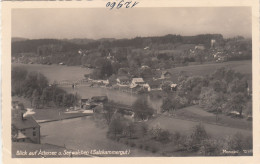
244 67
197 114
56 72
185 126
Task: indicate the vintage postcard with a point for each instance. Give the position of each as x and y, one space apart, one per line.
175 81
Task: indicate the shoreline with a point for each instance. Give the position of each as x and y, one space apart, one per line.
53 120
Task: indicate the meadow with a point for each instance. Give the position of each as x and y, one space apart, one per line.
244 67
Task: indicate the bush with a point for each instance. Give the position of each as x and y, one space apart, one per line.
179 139
164 136
196 138
161 135
239 142
198 134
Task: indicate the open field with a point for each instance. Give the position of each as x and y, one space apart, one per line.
197 114
56 72
185 126
244 67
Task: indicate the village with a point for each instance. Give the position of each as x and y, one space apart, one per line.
152 98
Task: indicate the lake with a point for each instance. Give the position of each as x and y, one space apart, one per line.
56 72
114 95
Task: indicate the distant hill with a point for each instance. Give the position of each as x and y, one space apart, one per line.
81 41
22 45
107 39
17 39
32 45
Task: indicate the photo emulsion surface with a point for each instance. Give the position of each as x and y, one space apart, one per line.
139 82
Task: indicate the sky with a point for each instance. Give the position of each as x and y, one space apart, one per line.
96 23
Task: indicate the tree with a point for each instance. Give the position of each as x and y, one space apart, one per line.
42 81
166 87
197 136
237 103
109 112
36 98
44 96
164 136
236 142
170 104
104 69
143 128
58 99
130 129
239 85
117 125
212 101
18 76
141 109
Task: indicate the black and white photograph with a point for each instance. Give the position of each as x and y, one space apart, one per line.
131 82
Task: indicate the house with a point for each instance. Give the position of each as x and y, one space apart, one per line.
200 47
84 103
123 80
165 75
24 129
138 81
173 87
144 66
147 86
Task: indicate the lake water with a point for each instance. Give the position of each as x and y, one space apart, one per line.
57 72
114 95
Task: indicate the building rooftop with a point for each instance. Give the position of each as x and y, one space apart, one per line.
140 80
27 122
